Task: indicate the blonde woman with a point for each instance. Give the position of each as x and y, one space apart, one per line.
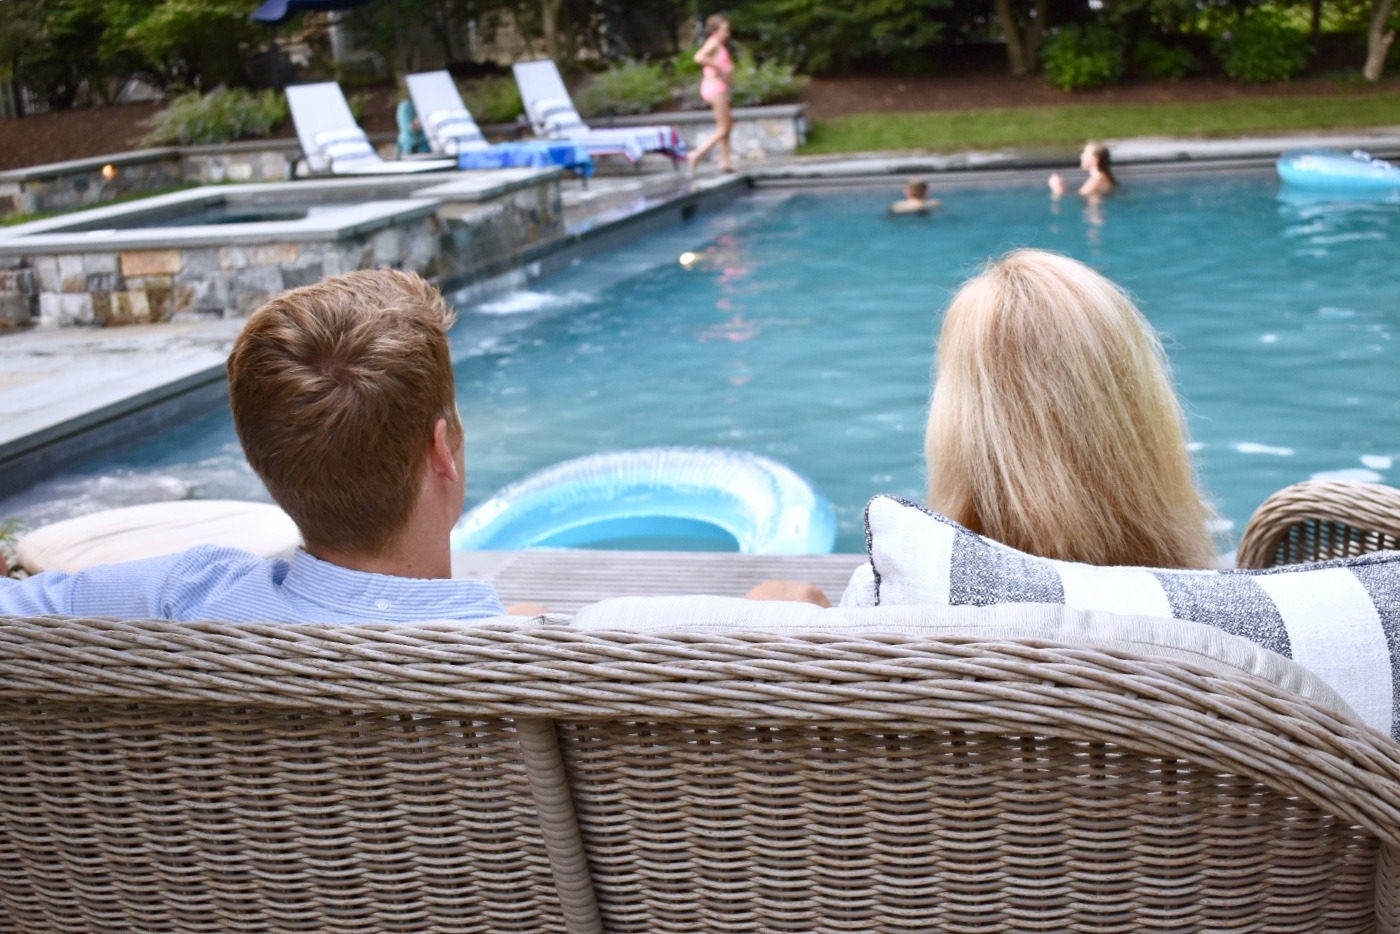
1054 427
1095 160
718 65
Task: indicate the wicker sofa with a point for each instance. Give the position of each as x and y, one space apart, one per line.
687 768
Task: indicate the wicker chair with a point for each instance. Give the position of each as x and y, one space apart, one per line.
1321 519
206 777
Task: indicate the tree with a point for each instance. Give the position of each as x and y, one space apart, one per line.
1378 39
1023 25
821 36
196 43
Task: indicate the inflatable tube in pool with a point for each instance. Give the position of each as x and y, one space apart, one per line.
1333 170
655 498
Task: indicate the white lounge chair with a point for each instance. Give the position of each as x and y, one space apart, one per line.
452 130
552 114
333 141
448 124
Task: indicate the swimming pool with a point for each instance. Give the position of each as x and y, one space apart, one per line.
803 330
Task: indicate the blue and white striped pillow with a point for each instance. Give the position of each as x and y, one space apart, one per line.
1339 619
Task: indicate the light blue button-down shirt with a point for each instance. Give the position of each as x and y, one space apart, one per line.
210 583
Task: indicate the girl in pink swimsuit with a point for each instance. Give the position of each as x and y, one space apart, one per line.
714 89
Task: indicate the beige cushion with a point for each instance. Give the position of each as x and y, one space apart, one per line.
156 529
1143 635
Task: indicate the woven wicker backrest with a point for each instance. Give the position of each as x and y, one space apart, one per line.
192 777
1317 520
163 779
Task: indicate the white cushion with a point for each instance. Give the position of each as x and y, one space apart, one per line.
344 135
1143 635
453 123
557 114
1339 619
155 529
348 145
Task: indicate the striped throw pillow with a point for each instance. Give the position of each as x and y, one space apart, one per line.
1339 619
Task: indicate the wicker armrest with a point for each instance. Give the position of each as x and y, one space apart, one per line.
1317 520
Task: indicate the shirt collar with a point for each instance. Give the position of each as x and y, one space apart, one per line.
385 596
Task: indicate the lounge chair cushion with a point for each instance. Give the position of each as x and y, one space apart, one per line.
1143 635
557 114
1340 619
456 126
346 145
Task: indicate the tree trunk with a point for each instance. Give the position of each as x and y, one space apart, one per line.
1035 31
549 19
1378 39
1315 22
1015 49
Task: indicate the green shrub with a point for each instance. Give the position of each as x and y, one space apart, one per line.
222 115
685 69
1262 47
494 100
1080 59
767 82
358 104
628 88
1158 61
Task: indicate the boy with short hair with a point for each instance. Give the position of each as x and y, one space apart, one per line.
343 397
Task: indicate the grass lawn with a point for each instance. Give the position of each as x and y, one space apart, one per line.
1071 124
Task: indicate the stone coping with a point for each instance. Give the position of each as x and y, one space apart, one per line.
399 198
333 224
1382 141
674 117
91 164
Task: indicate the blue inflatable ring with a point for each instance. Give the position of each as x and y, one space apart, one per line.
656 493
1336 171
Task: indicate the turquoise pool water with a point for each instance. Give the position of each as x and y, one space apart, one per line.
804 331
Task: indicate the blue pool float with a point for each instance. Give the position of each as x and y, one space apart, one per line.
1333 170
656 494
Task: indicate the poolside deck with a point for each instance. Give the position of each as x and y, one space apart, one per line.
566 580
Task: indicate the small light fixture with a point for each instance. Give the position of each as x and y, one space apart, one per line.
109 171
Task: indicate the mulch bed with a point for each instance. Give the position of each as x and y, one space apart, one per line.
77 134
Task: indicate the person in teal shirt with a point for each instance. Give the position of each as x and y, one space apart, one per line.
412 139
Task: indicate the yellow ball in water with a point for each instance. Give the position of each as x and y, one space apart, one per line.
689 259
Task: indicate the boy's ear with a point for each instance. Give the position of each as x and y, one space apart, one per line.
442 458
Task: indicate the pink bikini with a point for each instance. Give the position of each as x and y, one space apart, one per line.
716 80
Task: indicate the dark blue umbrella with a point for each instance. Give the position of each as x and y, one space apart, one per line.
274 12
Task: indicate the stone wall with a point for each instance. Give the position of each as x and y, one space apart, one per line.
136 286
760 133
239 162
18 299
64 186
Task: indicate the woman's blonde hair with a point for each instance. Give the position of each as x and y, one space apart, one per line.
1054 427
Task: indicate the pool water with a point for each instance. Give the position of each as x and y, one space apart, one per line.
803 330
